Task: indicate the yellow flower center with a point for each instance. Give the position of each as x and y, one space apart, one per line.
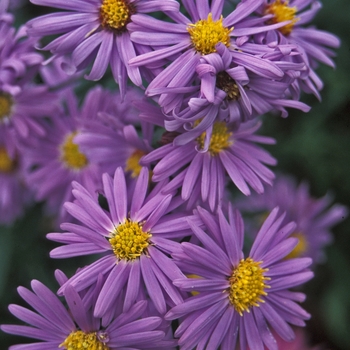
79 340
206 33
247 284
115 14
5 105
128 240
282 12
70 154
225 83
6 163
220 139
133 163
300 248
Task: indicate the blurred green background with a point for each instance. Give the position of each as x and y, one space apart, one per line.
313 147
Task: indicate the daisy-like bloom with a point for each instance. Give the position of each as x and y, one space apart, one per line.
227 88
135 236
13 193
315 45
76 328
314 217
55 160
240 299
185 40
248 94
91 294
202 165
96 31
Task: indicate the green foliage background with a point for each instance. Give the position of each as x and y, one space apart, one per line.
313 147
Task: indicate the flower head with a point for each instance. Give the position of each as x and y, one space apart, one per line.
96 32
134 235
76 328
239 85
188 38
239 297
314 45
201 166
54 160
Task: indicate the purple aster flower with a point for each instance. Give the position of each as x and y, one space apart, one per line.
201 166
134 236
76 328
238 93
90 296
314 217
95 31
13 193
55 160
315 45
239 298
185 40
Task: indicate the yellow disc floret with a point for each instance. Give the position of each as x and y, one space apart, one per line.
129 241
5 105
220 139
115 14
79 340
206 33
133 163
6 163
300 248
247 285
71 155
282 12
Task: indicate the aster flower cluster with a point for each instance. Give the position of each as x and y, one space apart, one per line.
143 132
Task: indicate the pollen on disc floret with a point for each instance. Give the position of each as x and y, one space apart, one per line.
115 14
79 340
220 139
206 33
70 154
247 285
129 241
281 11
